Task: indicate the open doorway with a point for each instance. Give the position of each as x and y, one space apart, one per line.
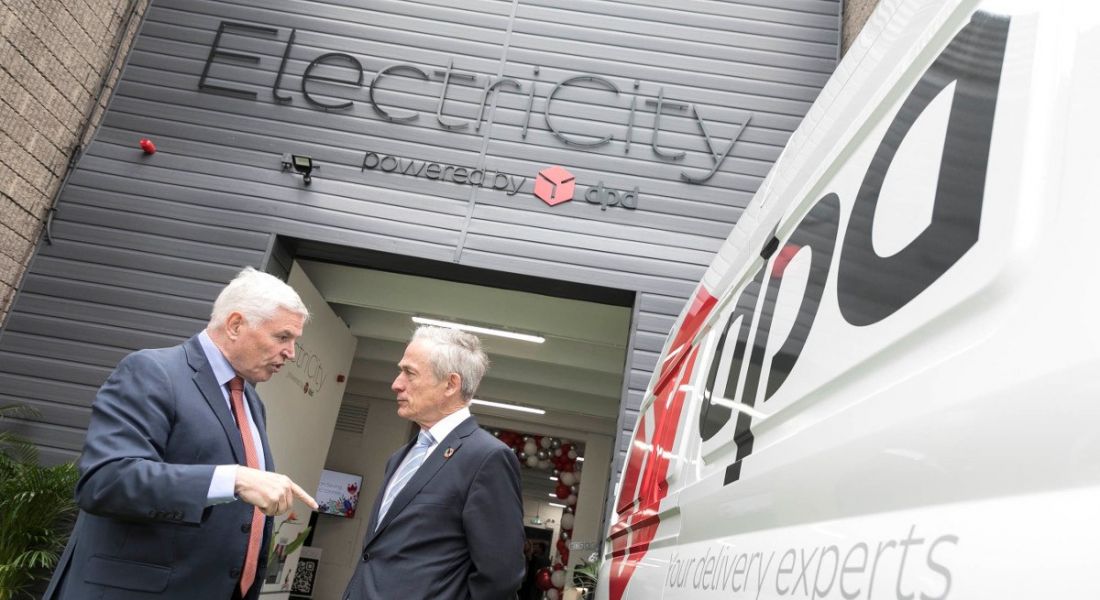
567 388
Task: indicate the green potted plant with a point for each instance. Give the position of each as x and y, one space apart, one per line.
585 576
37 508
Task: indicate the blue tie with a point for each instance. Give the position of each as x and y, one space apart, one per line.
412 462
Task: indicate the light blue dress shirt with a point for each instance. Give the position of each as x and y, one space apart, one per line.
225 476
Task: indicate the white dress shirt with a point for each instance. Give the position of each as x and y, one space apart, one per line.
439 431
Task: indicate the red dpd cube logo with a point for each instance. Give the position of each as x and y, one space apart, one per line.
555 185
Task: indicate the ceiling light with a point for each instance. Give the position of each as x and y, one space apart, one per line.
555 504
526 337
526 409
552 478
580 459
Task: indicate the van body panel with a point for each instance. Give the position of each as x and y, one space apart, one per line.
885 385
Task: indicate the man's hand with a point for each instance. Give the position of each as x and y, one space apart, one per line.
272 493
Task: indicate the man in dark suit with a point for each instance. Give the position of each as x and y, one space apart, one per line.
176 482
448 522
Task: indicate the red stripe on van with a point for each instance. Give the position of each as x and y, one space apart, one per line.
629 489
632 534
701 306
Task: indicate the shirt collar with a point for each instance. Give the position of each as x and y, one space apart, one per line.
448 424
223 371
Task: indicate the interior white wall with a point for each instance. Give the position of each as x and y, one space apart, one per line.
300 420
591 498
549 517
341 540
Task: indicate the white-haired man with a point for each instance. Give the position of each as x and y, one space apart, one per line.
176 479
448 523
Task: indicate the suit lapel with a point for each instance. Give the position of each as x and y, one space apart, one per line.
208 386
435 462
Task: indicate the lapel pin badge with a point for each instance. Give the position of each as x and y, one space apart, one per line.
448 453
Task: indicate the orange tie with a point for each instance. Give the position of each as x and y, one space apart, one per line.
255 534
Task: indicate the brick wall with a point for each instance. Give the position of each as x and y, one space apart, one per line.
54 56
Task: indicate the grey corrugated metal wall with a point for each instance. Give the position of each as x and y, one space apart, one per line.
142 243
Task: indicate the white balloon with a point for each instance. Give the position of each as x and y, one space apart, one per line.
567 521
567 478
530 447
546 442
532 461
544 464
558 579
571 500
552 594
573 454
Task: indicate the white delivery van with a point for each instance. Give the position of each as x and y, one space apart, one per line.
887 384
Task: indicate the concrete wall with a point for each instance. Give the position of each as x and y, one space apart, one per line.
54 56
856 13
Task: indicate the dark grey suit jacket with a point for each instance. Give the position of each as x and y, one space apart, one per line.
159 426
455 532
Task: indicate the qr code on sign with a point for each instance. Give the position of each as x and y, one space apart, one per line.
304 576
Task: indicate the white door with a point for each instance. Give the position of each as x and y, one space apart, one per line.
302 402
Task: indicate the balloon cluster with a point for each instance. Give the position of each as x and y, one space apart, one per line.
558 456
543 452
551 580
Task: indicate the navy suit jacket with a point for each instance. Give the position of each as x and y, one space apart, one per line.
159 426
454 532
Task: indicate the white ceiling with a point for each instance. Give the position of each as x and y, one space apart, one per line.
576 375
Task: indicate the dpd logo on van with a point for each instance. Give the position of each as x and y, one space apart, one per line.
555 185
869 289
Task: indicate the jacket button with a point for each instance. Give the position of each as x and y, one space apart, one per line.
235 573
366 556
245 528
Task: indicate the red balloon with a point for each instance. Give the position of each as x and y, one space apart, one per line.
562 491
542 579
147 146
